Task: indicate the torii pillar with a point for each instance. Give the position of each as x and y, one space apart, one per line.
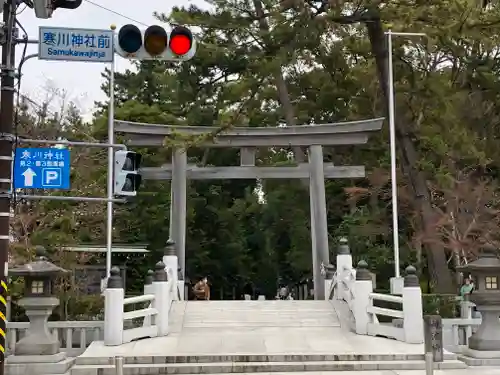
178 209
319 225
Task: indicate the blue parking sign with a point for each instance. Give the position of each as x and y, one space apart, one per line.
42 168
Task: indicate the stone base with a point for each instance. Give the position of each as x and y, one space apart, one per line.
484 345
53 358
479 357
482 354
397 284
38 365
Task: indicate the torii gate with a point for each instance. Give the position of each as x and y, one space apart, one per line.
248 139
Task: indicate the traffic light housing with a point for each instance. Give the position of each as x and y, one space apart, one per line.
155 43
126 173
45 8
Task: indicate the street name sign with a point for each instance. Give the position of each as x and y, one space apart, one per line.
42 168
68 44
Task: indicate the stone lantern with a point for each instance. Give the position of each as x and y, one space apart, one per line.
38 301
485 272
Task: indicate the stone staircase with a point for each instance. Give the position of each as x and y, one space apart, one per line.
242 364
221 337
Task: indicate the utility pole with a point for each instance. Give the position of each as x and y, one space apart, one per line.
7 91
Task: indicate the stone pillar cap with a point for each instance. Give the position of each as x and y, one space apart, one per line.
169 247
343 248
362 272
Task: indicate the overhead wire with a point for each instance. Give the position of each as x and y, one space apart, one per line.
115 12
19 95
22 10
25 97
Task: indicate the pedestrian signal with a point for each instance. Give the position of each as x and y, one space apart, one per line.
126 173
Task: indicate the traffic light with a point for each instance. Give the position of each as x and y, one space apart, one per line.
45 8
126 172
155 43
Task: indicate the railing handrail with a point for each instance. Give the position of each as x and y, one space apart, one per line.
61 324
386 297
138 299
141 313
461 322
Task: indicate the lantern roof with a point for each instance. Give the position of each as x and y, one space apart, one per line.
488 261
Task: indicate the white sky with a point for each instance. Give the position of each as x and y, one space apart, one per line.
81 80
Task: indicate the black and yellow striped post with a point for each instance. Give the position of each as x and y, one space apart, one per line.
3 318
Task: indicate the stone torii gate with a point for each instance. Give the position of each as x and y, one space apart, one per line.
248 140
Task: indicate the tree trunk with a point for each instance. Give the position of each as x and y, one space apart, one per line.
283 95
436 257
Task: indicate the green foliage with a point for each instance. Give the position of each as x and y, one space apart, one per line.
445 305
297 63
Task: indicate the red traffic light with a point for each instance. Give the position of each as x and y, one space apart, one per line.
181 40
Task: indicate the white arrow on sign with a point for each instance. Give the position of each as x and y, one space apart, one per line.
28 177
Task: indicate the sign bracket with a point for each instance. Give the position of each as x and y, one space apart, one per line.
65 198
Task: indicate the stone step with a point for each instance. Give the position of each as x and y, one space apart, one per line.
208 323
258 318
211 358
253 367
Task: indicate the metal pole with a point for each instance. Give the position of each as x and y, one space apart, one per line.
29 41
392 134
23 60
119 364
66 198
111 140
7 83
429 364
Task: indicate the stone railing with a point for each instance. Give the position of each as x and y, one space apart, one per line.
355 287
159 294
457 331
407 323
74 336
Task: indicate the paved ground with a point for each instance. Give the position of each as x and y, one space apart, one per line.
235 327
469 371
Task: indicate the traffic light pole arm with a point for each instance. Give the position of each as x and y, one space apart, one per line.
71 143
64 198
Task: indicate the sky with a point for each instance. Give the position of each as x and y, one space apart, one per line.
81 81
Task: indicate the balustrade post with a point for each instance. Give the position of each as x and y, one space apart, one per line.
113 309
162 298
344 267
363 286
171 265
148 289
466 308
181 293
329 272
413 317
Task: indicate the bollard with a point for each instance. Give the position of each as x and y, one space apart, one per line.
429 364
119 363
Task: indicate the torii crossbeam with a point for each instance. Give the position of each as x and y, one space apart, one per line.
248 140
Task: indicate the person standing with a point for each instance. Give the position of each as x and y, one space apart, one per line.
467 287
201 290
